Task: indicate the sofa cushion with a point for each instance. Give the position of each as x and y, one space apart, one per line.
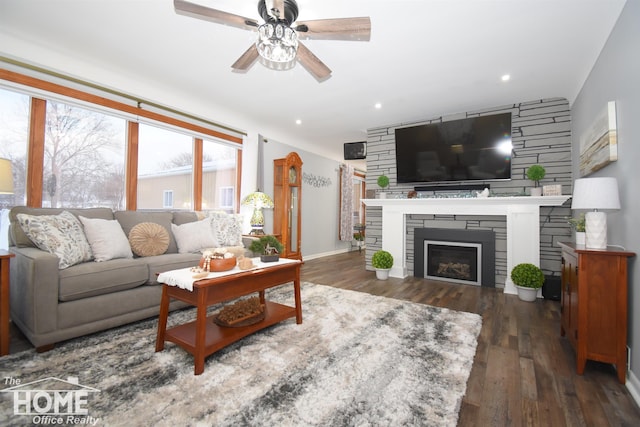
194 236
98 278
161 263
183 217
149 239
61 235
20 239
227 228
106 238
129 219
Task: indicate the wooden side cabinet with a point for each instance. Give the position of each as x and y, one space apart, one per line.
594 305
287 194
5 256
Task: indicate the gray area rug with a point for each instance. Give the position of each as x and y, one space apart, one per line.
357 359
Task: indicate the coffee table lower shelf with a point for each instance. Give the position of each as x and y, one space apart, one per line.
218 337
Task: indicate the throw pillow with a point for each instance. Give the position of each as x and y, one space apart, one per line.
194 236
106 238
60 235
149 239
227 228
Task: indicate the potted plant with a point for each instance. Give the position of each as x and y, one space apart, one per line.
383 182
528 278
535 173
268 247
578 224
382 261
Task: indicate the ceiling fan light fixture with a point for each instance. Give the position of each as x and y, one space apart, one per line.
277 42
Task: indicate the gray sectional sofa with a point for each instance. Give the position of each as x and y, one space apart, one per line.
51 304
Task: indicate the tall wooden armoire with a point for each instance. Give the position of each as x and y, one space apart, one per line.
287 194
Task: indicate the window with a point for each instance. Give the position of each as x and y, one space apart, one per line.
165 161
167 199
82 149
218 176
83 159
226 198
14 128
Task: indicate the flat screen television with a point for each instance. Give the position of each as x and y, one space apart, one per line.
470 149
355 150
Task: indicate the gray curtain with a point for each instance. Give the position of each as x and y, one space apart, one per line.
346 202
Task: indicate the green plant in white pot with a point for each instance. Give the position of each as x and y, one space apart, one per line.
579 225
383 182
528 278
382 261
535 173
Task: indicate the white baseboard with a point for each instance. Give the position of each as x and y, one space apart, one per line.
324 254
633 385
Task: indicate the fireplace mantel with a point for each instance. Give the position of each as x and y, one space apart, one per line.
523 224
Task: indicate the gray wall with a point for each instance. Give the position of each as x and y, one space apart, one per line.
320 199
616 77
541 133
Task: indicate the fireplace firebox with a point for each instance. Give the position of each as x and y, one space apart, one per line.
453 255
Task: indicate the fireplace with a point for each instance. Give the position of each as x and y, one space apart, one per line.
453 255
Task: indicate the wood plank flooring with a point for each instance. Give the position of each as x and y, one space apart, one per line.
523 373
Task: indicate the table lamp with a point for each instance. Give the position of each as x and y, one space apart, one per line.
596 194
258 200
6 177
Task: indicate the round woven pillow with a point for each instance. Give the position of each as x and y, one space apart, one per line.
148 239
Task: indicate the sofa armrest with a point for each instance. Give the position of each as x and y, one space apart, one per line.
34 289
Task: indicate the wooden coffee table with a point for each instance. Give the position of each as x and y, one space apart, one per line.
203 337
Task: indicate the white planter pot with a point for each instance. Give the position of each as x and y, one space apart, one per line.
527 294
581 238
382 273
536 191
382 195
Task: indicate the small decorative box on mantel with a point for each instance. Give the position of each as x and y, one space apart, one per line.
552 190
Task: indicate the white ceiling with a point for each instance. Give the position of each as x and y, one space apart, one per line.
426 58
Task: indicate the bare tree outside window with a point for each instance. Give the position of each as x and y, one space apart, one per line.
83 165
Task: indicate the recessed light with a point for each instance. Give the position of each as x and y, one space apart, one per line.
378 105
506 78
298 122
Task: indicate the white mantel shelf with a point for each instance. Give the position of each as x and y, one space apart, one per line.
523 224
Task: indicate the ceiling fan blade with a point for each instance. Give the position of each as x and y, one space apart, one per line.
335 29
247 59
311 62
202 12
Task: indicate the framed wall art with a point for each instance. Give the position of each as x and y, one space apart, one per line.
599 144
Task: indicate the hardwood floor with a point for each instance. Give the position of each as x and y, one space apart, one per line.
523 373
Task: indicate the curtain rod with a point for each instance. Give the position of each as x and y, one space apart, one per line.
138 101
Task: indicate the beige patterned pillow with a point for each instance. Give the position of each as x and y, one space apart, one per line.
148 239
61 235
227 228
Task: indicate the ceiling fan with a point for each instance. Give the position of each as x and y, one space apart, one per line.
278 37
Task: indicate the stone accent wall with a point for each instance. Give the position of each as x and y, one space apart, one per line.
541 133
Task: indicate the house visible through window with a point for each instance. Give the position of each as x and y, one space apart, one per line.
167 199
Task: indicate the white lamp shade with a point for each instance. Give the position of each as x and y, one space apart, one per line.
6 177
598 194
595 193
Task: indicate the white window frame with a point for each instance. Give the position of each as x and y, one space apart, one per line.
167 199
227 193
